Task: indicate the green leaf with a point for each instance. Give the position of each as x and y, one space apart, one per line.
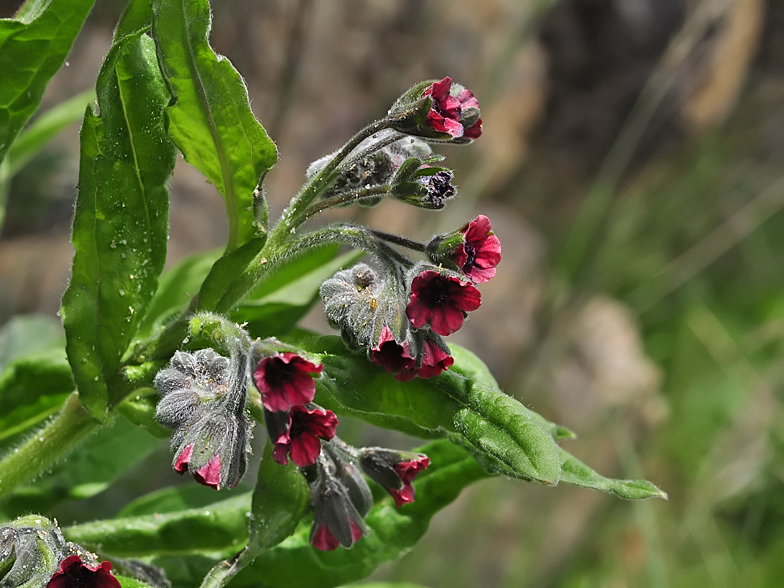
33 46
575 472
280 500
136 17
224 271
29 333
386 585
100 460
219 526
175 289
44 129
121 221
140 407
170 499
489 420
126 582
33 388
291 294
393 531
211 121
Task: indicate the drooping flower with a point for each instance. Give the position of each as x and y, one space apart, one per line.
393 470
435 356
285 380
74 573
441 300
394 357
336 520
301 439
204 403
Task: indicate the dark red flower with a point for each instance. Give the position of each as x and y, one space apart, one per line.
393 470
393 356
301 438
207 475
446 114
74 573
407 471
442 301
480 251
324 540
434 360
285 380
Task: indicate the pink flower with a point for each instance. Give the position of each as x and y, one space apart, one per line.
407 471
434 360
301 438
73 573
285 380
207 475
446 114
480 251
393 356
324 540
393 470
442 301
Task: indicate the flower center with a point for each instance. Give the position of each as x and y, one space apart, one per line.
470 252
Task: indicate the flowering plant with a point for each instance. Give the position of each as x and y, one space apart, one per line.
145 360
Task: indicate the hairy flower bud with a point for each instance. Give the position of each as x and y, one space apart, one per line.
393 470
423 185
203 400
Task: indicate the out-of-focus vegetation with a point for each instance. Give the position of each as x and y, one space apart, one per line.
632 165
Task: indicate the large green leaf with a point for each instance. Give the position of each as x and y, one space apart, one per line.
33 46
218 526
393 531
489 420
33 388
293 563
29 333
121 222
211 120
100 460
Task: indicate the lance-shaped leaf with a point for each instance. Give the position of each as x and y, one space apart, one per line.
33 46
575 472
489 420
211 120
121 220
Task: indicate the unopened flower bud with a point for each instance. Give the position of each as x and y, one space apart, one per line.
203 400
473 249
393 470
423 185
350 477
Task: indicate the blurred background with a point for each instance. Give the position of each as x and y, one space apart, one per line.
632 165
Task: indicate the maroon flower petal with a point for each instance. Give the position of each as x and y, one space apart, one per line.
434 360
324 540
305 449
210 473
181 464
73 573
441 300
390 355
285 380
444 113
480 252
446 320
407 471
467 99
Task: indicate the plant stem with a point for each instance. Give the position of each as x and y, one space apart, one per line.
347 198
45 447
400 240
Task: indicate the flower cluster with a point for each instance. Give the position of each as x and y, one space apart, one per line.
38 555
203 400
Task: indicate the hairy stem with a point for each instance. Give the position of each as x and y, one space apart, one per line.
49 444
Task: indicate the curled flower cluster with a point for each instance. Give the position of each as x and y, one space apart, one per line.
40 556
203 400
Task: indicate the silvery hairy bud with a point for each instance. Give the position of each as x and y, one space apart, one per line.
203 400
373 163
